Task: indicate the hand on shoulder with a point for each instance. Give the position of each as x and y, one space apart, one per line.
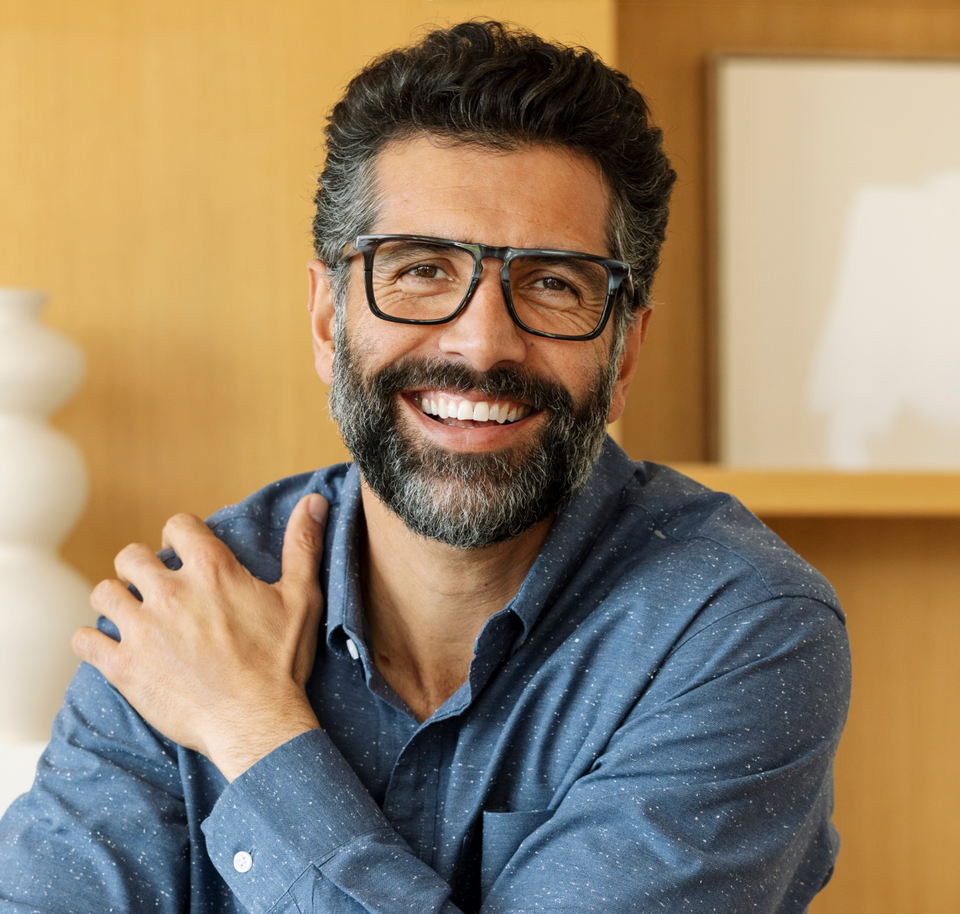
213 658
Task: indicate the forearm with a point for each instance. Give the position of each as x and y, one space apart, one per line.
716 787
316 840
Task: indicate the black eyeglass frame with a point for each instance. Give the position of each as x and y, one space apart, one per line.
618 274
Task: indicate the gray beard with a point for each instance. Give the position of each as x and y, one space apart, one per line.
467 500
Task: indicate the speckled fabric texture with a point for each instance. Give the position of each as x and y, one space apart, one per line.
648 726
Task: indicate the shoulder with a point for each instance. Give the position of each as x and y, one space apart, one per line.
253 528
271 506
645 540
684 592
676 570
711 537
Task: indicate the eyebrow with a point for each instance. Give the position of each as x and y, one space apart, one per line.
578 265
416 248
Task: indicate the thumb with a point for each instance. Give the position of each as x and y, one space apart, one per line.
303 544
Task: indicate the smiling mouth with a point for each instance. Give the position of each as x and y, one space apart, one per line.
459 412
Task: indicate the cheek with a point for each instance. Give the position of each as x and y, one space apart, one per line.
595 370
383 342
581 368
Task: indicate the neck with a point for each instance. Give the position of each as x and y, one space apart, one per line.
425 602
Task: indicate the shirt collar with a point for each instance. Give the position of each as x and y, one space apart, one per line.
344 613
567 545
573 534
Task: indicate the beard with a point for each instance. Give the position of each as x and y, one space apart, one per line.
467 500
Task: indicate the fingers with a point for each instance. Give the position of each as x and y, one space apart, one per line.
303 544
135 560
95 648
113 600
185 533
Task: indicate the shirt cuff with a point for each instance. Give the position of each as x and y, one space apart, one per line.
288 812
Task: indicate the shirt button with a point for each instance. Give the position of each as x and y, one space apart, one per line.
352 649
242 862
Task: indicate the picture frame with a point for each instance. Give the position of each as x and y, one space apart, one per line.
836 261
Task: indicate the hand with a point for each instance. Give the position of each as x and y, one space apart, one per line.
214 659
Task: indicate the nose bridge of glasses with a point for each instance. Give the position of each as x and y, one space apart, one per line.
481 253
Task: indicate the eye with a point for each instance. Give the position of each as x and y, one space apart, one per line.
552 284
427 271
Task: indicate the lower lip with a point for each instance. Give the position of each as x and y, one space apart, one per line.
489 436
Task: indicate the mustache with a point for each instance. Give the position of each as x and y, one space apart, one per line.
499 383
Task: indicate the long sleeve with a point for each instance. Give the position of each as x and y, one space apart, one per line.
649 725
714 791
104 827
316 840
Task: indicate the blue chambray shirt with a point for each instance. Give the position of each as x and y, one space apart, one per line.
649 725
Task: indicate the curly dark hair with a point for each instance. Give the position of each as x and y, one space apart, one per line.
503 87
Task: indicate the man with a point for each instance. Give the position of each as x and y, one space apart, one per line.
511 670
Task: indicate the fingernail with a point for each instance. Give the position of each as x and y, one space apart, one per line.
317 508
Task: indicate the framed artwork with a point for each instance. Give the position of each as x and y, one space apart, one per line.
837 260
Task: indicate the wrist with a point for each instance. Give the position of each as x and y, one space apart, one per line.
258 733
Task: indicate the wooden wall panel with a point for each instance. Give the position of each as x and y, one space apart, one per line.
897 801
156 170
898 796
664 46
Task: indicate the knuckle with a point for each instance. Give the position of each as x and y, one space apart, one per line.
207 559
179 523
80 643
100 593
104 594
181 519
130 553
309 539
164 592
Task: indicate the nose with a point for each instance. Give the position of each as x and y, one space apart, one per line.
484 332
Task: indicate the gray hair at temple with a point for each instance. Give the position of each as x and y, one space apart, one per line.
485 83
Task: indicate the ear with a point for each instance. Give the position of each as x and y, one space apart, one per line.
636 334
320 306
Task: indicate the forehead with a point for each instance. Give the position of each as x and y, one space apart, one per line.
532 197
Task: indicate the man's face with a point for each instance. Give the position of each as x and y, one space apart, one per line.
474 430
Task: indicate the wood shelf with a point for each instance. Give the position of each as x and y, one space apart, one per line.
816 493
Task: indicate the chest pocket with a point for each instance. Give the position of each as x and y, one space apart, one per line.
503 833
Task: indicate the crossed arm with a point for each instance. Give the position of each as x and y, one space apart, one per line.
213 658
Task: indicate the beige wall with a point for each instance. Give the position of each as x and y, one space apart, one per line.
156 170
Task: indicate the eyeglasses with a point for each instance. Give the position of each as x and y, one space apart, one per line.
564 295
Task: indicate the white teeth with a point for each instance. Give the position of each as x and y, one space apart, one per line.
467 410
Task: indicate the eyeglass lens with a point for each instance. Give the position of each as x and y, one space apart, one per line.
416 280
